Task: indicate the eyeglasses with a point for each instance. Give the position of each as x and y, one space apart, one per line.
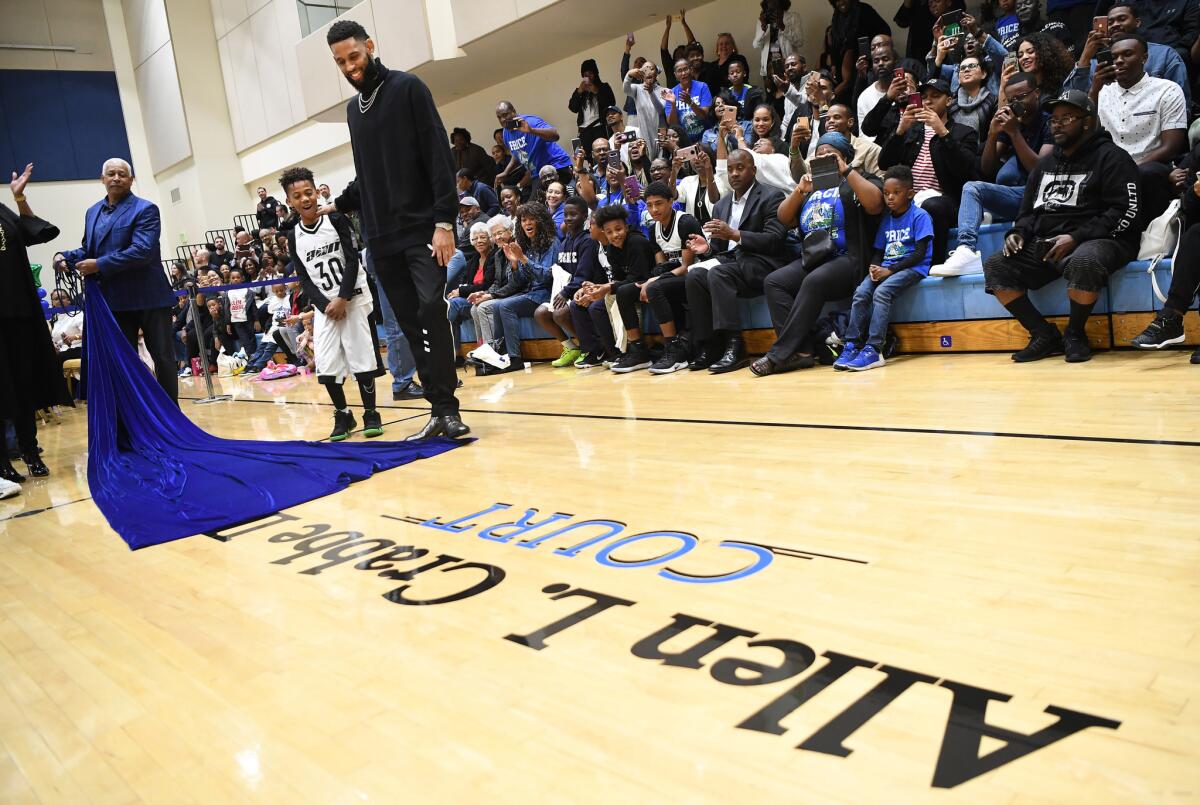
1022 96
1066 120
963 67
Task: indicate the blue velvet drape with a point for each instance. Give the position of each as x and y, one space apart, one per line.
157 477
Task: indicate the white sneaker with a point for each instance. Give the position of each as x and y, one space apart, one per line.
963 260
487 355
8 489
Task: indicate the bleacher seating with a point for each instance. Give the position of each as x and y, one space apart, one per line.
949 314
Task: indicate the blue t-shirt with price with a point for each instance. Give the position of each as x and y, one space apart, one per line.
1008 29
823 210
898 237
688 119
531 151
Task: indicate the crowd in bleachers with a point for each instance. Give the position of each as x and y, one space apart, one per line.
846 182
689 183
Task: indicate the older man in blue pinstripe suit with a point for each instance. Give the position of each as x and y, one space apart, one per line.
121 245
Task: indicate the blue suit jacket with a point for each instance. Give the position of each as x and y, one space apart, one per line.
125 247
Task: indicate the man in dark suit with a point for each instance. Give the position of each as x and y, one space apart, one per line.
746 243
120 244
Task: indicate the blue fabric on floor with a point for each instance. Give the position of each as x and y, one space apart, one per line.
157 477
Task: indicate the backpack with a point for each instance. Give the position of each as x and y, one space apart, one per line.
1161 238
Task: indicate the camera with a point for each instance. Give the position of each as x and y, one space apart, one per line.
514 124
1017 108
622 137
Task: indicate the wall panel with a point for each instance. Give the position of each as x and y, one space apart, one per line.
71 122
158 89
276 109
246 82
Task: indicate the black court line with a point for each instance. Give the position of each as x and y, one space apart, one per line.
861 428
801 553
32 512
1059 437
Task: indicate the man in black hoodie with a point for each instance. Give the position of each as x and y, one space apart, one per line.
1077 221
406 194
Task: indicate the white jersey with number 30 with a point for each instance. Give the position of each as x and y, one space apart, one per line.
319 251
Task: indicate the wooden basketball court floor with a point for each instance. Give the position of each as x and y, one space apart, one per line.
953 579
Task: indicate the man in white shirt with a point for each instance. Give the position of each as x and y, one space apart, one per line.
883 65
1146 117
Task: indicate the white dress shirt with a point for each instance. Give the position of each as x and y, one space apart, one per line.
735 214
1136 117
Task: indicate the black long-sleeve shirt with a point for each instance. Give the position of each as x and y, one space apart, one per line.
403 163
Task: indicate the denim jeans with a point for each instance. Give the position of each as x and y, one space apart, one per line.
872 305
265 352
507 315
454 269
458 310
399 356
1002 201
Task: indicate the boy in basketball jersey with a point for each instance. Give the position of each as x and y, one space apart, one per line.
665 291
344 338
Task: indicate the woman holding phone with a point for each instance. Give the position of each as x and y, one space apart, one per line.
1042 55
589 100
837 226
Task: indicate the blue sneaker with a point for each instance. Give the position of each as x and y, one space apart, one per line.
867 358
849 353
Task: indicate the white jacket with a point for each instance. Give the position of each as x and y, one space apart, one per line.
791 39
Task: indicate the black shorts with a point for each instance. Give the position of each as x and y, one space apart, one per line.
1086 269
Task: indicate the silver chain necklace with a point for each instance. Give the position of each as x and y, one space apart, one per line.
363 108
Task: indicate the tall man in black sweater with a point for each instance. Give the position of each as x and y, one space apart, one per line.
406 194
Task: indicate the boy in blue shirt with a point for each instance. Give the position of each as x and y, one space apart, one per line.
902 257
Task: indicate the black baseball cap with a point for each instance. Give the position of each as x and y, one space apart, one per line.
611 109
938 84
1076 98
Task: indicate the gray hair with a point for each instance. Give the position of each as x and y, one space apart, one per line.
480 226
128 167
499 220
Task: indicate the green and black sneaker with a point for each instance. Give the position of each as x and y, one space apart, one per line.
372 426
343 425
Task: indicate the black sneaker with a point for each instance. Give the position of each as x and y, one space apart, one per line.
1075 347
1042 344
372 424
1196 356
673 359
586 361
343 424
635 358
410 391
1162 332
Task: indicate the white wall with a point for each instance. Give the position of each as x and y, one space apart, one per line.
71 23
62 204
148 42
